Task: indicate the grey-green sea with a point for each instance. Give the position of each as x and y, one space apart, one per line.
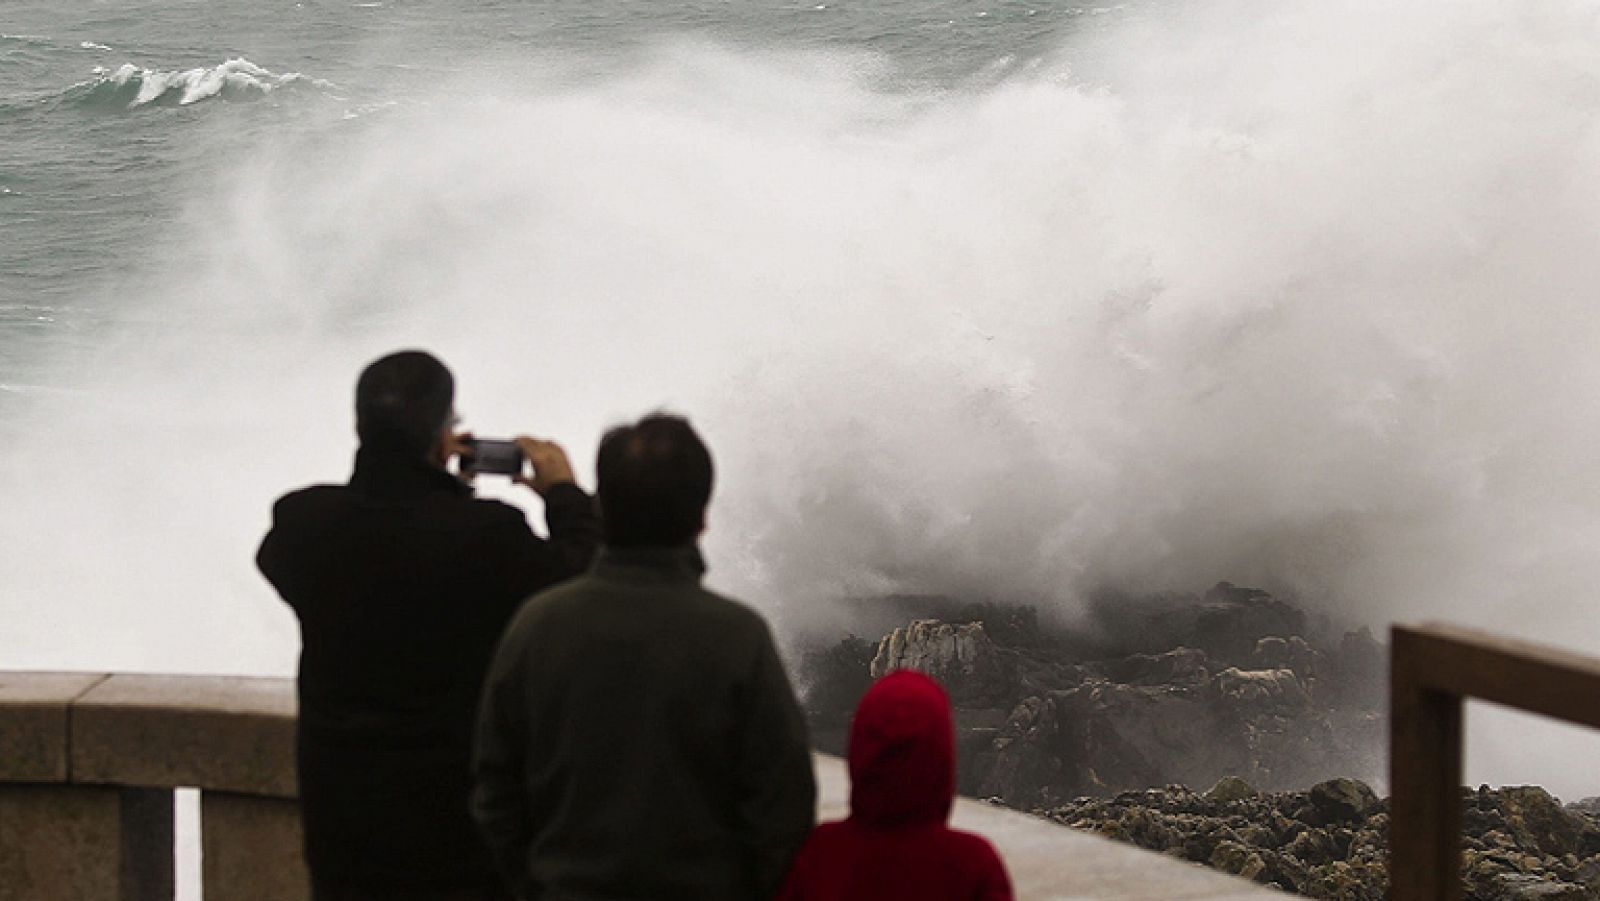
115 116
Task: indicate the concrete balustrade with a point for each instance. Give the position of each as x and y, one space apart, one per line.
88 763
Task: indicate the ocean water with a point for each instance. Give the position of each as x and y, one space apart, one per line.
116 116
1009 300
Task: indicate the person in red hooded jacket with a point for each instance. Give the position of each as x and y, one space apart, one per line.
896 844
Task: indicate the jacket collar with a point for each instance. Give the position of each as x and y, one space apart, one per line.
651 563
395 476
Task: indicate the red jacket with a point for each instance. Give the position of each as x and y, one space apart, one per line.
895 844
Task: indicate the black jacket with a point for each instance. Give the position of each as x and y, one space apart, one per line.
638 739
403 582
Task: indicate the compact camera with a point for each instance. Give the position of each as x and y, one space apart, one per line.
492 456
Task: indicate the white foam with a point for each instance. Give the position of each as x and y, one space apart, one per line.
197 84
91 45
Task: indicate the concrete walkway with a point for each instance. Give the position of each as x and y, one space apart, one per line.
1049 862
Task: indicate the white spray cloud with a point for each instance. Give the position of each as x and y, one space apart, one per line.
1294 295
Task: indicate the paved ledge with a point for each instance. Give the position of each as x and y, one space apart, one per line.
1049 862
34 710
218 733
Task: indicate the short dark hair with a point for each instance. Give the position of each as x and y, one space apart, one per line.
403 400
655 481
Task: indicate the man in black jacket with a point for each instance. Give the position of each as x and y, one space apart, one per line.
638 738
403 582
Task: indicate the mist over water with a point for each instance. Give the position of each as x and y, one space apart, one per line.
1298 296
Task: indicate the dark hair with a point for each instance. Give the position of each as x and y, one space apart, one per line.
655 482
403 400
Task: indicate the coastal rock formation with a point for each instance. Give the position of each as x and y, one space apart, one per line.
1332 841
960 656
1167 691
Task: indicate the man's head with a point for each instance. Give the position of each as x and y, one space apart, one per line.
655 481
404 404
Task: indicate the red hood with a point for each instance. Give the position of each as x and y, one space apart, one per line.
902 753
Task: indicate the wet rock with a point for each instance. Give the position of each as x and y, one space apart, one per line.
833 679
960 656
1266 691
1536 819
1291 653
830 681
1232 857
1230 788
1530 887
1178 666
1356 672
1342 800
1313 846
1081 720
1280 838
1024 760
1231 619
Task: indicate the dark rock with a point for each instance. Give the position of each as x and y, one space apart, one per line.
1535 819
1080 725
1357 672
1587 805
1179 665
1233 857
1342 800
1231 620
1531 887
1294 654
832 680
1230 788
1267 838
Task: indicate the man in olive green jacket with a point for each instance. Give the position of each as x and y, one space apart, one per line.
637 736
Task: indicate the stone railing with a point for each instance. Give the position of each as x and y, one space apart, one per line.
88 764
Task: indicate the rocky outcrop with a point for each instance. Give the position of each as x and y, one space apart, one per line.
1332 841
1045 717
970 666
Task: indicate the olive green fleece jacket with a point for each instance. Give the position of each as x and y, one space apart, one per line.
638 739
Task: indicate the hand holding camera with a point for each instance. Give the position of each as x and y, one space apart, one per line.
550 464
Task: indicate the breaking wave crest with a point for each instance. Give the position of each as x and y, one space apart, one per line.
129 86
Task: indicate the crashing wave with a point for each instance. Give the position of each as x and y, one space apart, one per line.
133 86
